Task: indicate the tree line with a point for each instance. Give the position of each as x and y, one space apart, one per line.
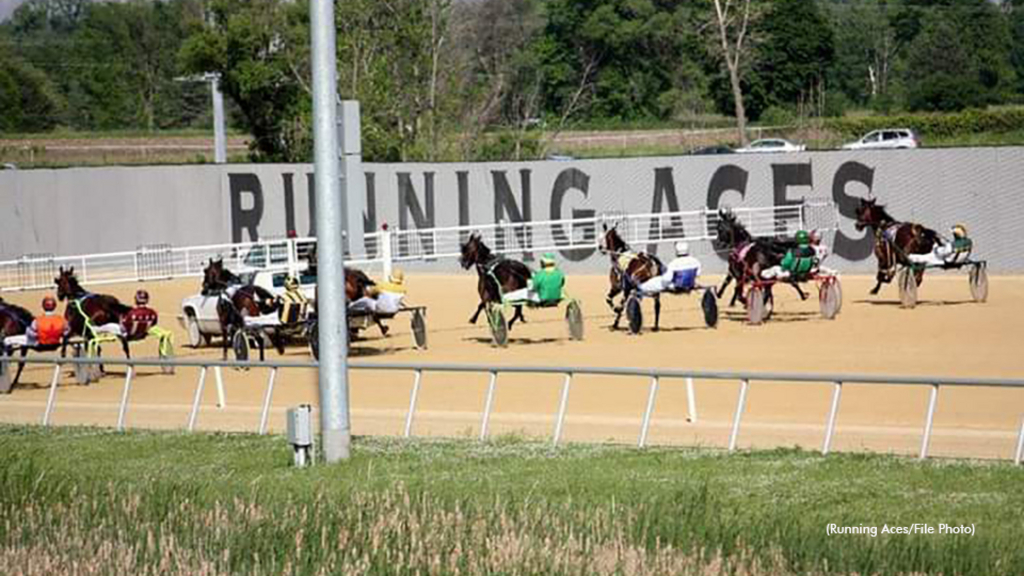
482 79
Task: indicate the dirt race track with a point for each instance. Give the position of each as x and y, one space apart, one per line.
946 335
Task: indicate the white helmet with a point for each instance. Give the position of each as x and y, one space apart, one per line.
682 248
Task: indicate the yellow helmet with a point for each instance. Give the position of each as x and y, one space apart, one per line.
291 283
959 231
396 276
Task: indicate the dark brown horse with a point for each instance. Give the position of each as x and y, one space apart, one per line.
98 309
894 241
748 256
629 270
235 301
357 284
495 275
14 321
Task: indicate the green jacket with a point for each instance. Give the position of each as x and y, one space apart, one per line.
798 261
548 284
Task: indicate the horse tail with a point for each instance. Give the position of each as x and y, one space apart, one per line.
265 301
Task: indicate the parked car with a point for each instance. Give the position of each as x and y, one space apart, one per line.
888 138
717 149
771 145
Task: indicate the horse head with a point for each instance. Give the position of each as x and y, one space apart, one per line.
67 285
870 214
611 241
729 231
473 252
213 277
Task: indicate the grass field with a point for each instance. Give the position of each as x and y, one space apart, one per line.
90 501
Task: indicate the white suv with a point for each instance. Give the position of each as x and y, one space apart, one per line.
886 139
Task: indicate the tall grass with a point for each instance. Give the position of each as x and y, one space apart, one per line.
92 502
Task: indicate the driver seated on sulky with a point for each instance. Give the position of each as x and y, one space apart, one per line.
544 286
293 304
134 324
46 331
949 254
680 275
798 262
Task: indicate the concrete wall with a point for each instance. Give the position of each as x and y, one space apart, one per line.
90 210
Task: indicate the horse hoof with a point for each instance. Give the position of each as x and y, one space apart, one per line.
384 330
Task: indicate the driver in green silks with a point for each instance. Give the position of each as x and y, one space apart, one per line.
545 286
798 261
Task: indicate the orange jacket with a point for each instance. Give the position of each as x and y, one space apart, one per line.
50 329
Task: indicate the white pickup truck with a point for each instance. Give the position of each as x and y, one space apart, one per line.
199 312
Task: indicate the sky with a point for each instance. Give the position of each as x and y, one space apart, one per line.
7 7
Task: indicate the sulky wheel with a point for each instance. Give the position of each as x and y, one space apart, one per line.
499 329
709 304
828 300
240 345
419 329
908 288
5 373
195 337
978 279
757 301
634 314
574 318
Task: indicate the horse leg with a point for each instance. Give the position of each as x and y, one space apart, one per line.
919 276
610 298
619 309
224 341
803 295
124 346
517 314
383 328
21 366
479 309
882 278
721 289
657 311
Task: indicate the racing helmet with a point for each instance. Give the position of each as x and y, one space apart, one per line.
682 248
802 238
141 297
291 283
959 231
547 260
49 303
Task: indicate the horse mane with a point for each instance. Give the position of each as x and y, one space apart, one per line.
620 244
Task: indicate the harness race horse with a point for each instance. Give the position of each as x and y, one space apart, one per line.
235 301
14 321
86 310
894 241
629 270
748 256
357 284
495 275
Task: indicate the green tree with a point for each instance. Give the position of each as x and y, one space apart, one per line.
28 99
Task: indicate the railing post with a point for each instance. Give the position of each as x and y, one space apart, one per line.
220 388
52 397
652 393
691 401
413 397
195 402
488 403
837 392
123 412
562 406
740 405
1020 444
385 252
932 398
265 414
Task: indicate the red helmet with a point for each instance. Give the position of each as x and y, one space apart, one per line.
49 303
141 297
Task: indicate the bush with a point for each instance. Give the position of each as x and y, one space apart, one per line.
934 124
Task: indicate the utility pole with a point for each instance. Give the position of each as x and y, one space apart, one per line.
335 424
220 140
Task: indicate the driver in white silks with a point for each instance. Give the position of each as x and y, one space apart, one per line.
680 275
947 253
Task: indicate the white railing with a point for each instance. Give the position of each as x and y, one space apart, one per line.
657 377
154 262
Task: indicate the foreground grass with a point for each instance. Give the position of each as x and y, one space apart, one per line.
91 501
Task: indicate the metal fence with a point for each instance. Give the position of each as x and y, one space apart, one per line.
656 375
161 261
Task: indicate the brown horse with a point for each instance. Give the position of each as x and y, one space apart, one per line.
82 306
14 321
235 302
495 275
748 256
629 270
357 284
894 241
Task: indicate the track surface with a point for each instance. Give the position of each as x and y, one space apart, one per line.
946 335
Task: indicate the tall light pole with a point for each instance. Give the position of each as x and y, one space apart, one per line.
335 426
220 140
